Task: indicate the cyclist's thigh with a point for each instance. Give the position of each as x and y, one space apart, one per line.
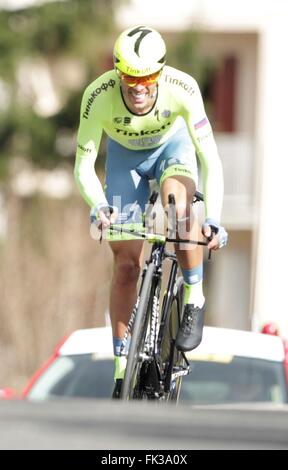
127 252
178 158
125 188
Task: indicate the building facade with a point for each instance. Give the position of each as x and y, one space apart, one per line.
245 283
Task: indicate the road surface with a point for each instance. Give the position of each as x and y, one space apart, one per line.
91 424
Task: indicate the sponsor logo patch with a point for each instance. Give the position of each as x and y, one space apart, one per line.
126 120
166 113
103 87
85 149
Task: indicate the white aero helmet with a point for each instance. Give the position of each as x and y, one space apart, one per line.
139 51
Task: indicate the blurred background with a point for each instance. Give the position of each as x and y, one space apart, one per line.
53 277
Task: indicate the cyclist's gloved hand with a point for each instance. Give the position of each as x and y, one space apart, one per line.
103 215
216 234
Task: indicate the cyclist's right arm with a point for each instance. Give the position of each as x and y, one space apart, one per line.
88 142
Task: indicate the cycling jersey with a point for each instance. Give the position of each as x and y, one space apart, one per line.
178 98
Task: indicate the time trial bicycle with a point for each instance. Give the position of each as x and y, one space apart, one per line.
155 367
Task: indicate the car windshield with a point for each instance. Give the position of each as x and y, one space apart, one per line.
209 382
75 376
234 380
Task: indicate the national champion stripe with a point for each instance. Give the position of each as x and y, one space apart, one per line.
201 123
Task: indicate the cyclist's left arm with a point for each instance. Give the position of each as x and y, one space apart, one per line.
211 167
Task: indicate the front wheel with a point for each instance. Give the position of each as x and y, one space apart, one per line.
136 349
173 361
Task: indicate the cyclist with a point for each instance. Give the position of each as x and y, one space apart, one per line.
155 121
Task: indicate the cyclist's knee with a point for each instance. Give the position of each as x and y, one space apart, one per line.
127 261
184 212
127 269
183 190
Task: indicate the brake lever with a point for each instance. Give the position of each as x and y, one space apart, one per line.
214 231
108 211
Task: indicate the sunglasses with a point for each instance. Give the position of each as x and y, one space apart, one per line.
144 81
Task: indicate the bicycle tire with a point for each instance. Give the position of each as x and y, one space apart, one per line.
171 357
138 337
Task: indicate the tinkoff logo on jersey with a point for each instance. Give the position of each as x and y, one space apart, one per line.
175 81
142 133
103 87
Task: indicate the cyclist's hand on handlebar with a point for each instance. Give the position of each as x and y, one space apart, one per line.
215 233
103 215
